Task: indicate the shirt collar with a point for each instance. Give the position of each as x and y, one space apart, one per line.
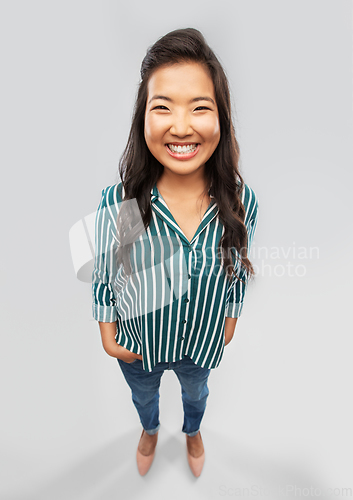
154 192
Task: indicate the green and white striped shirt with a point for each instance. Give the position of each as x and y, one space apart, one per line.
177 298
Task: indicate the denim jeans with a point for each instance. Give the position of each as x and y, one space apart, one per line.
145 391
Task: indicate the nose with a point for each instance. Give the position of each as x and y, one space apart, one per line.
181 125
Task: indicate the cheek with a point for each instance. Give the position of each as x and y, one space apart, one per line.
212 130
153 129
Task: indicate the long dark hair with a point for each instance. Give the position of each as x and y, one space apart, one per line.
139 170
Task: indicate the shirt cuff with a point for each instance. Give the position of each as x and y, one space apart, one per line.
106 314
234 309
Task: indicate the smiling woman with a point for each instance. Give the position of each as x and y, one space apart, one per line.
186 126
173 237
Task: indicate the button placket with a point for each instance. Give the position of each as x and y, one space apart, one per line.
189 278
187 300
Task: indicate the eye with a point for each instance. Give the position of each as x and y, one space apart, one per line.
160 107
201 108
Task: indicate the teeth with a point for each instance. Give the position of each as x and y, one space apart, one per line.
182 149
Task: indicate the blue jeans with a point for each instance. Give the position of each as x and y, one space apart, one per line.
145 392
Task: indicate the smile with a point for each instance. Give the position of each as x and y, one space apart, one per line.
182 149
183 152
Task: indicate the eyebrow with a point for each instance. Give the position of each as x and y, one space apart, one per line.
196 99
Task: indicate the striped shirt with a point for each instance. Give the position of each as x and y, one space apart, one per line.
177 297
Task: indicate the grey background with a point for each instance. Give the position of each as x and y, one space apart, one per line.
279 411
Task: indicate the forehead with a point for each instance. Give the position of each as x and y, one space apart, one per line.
184 77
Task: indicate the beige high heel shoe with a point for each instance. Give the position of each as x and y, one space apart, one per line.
144 462
195 464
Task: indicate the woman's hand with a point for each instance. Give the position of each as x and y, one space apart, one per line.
125 354
108 332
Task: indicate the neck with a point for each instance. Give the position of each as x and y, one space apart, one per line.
183 186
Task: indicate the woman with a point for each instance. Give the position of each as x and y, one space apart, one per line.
173 237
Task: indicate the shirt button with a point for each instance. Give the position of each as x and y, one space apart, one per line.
184 321
190 249
189 276
182 338
186 300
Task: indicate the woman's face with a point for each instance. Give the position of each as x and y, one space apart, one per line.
182 127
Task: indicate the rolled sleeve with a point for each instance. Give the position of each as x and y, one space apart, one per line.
105 267
234 309
237 289
236 295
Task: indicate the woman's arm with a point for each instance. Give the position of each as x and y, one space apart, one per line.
108 332
229 329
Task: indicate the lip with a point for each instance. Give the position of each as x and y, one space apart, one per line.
183 156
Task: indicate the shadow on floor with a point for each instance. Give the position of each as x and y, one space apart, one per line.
111 473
